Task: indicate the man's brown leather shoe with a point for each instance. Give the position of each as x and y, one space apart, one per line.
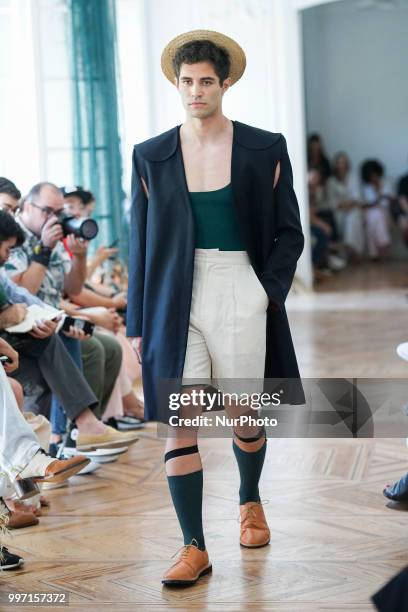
19 519
254 528
191 565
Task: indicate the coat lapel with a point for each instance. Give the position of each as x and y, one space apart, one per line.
241 186
181 179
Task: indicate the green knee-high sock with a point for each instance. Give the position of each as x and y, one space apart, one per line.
250 468
187 495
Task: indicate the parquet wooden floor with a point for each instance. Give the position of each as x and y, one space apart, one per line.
107 538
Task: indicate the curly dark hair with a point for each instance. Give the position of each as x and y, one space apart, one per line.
370 167
7 186
9 228
203 51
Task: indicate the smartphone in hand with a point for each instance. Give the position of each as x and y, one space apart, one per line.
86 326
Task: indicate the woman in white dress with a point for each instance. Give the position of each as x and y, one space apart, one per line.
343 198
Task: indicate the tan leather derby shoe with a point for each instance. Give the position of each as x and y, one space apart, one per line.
254 528
190 566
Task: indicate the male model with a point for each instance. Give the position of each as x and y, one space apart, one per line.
215 237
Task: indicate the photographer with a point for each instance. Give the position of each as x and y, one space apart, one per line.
42 264
80 204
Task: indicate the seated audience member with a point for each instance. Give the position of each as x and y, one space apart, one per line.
9 196
44 361
401 215
20 452
343 199
10 366
80 204
377 197
402 189
123 401
21 456
8 560
319 169
43 266
22 514
317 158
321 232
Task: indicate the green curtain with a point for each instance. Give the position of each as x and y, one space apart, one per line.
97 152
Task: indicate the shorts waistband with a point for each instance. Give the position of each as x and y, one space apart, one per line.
217 256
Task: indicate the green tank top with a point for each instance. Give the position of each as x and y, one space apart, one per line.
216 224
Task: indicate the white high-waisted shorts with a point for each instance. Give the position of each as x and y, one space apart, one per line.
227 328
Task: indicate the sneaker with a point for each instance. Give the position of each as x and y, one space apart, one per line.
125 423
53 449
89 469
402 351
398 491
111 438
336 263
130 422
9 561
48 486
100 455
106 455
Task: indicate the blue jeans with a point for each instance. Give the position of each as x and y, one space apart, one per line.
58 418
320 246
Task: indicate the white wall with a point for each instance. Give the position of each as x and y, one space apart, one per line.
356 81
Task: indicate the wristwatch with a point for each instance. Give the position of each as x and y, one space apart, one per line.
41 249
41 254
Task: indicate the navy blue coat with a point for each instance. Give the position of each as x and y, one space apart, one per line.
161 249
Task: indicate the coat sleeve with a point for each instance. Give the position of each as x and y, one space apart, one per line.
280 267
137 254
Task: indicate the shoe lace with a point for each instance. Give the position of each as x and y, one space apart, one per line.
185 548
250 510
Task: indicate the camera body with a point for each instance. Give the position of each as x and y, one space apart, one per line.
81 228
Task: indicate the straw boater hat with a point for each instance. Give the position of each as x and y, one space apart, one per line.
235 53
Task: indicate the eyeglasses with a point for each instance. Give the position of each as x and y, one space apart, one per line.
8 209
47 210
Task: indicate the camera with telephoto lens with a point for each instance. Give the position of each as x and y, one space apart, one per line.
81 228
